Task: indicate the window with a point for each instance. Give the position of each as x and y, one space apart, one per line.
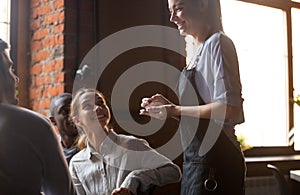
5 20
261 34
296 72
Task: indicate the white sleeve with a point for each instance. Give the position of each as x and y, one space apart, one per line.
153 170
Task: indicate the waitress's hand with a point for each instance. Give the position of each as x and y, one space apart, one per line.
158 107
121 191
157 98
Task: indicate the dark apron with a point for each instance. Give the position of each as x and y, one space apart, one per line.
222 169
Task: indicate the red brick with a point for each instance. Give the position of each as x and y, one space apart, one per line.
36 93
36 69
35 105
53 66
59 77
40 56
43 10
53 91
43 80
32 78
49 42
59 89
58 28
47 92
44 104
35 24
54 18
44 114
59 64
58 4
35 13
36 45
48 80
34 3
56 90
39 34
53 41
39 81
49 67
47 103
60 40
48 28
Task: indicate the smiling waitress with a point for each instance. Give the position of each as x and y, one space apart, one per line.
213 72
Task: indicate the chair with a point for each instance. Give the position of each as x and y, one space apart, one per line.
280 180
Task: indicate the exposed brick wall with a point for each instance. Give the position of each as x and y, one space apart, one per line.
57 46
47 46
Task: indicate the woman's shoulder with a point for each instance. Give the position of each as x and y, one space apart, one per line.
218 37
129 138
23 117
12 110
219 41
132 142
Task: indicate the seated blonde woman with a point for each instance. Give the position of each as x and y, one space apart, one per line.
113 163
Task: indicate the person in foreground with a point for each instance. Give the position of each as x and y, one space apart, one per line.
209 91
113 163
60 116
31 159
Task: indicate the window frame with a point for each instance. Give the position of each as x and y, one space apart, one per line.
19 46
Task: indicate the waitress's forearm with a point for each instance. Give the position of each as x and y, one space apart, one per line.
215 110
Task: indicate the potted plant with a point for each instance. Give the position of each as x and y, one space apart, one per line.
244 145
